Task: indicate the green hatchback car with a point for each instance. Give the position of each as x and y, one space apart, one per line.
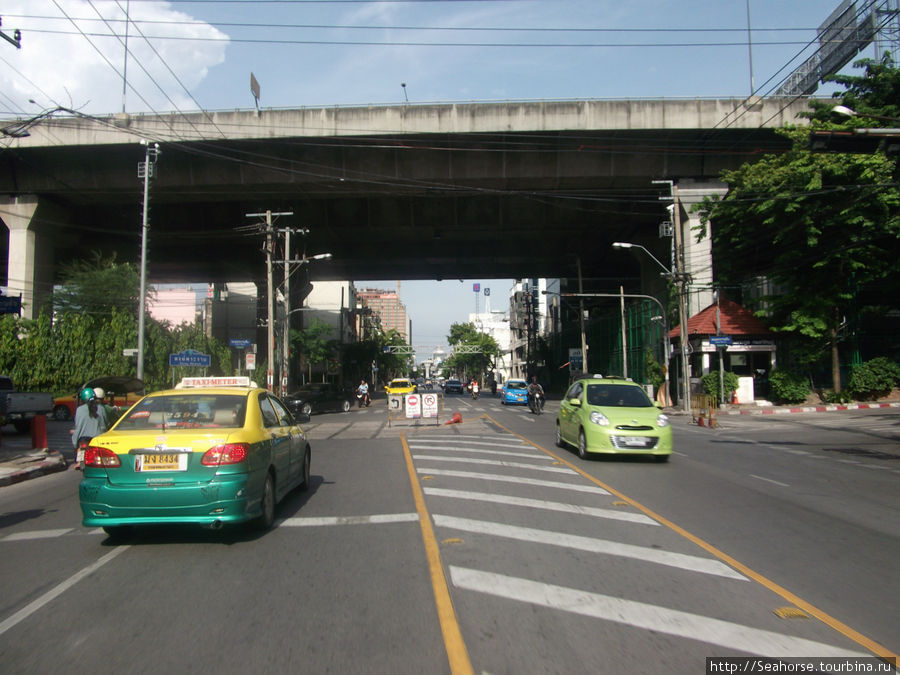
601 415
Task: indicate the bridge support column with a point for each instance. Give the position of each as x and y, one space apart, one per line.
698 255
29 270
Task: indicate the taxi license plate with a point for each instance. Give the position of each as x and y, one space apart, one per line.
635 441
161 462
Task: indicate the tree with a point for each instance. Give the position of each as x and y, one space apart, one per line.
467 335
313 344
98 285
823 226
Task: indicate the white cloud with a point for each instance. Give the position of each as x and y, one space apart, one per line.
58 65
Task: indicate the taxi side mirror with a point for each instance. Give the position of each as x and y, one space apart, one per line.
301 418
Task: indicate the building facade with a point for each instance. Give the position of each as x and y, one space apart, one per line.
386 306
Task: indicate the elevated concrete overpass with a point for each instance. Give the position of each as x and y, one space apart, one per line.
441 191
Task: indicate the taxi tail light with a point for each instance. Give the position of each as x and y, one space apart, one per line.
227 453
103 458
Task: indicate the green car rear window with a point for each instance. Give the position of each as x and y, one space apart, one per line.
617 396
186 411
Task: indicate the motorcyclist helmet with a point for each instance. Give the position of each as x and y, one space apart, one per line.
99 393
86 394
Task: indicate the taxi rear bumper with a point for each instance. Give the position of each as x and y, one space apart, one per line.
225 499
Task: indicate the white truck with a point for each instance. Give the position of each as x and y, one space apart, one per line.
19 407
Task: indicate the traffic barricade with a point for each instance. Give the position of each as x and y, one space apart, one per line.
416 409
703 410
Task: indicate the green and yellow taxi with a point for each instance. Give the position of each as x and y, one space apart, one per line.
211 452
401 385
604 415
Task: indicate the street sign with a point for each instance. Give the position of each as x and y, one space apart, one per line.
190 357
250 361
429 405
720 340
413 405
239 343
10 304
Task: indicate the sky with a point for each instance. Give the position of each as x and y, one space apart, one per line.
199 54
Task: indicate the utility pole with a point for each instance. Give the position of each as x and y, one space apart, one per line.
584 355
270 343
146 170
681 277
286 329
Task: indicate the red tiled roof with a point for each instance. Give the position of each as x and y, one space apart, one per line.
735 320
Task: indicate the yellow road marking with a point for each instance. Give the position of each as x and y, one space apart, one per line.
874 647
457 653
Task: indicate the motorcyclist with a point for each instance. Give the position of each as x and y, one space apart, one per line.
362 393
90 421
535 390
473 387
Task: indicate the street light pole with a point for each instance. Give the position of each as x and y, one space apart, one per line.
145 171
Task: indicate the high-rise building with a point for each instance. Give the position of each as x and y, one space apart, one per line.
387 307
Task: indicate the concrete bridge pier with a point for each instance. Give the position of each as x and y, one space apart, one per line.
31 223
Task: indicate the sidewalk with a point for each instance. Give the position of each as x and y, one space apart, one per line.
20 462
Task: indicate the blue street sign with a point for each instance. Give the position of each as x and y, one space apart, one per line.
720 340
189 357
10 305
240 343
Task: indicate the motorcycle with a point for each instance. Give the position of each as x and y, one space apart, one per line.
536 403
83 444
362 397
474 392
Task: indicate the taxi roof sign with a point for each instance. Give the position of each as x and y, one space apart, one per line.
196 382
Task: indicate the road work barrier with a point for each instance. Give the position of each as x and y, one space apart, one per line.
417 409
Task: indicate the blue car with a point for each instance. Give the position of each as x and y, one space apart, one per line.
514 392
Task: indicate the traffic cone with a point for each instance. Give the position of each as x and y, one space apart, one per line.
456 419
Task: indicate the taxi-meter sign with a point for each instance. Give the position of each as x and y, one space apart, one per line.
430 405
413 405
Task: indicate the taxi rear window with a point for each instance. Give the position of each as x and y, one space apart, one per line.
189 410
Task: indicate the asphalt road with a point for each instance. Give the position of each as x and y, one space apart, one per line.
482 546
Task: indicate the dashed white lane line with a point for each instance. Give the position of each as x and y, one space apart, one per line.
574 487
437 441
680 560
731 636
540 504
768 480
497 463
58 590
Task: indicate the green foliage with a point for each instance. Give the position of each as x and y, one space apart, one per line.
837 397
313 343
873 379
98 286
655 372
710 383
826 226
786 386
474 365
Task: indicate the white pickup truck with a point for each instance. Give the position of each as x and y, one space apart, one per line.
18 407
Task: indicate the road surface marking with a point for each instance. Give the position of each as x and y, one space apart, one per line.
495 462
482 451
513 479
58 590
827 619
457 652
731 636
323 521
37 534
768 480
681 561
541 504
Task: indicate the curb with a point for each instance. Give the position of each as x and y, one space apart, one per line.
52 463
809 409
